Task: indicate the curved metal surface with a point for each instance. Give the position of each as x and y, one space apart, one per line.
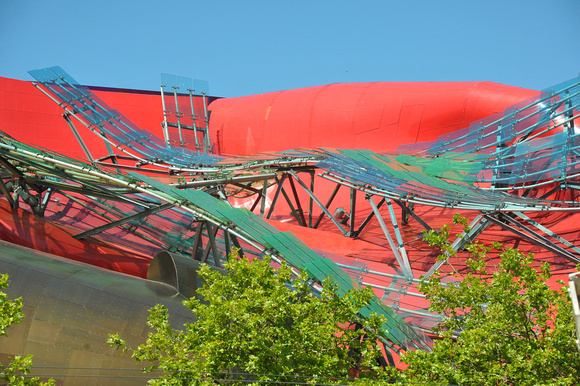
162 269
169 268
377 116
70 309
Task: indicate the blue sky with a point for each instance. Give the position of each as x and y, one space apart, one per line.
248 47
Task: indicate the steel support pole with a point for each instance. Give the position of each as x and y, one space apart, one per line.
311 201
368 218
227 243
351 220
236 243
330 216
80 139
211 233
224 181
206 143
11 168
263 204
294 211
413 214
406 270
164 125
296 199
177 115
197 241
477 226
534 238
398 236
255 204
550 192
145 213
548 232
45 200
11 201
193 118
280 183
330 199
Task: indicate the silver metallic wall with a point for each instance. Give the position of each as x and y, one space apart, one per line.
70 309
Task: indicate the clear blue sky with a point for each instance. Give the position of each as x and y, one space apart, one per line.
248 47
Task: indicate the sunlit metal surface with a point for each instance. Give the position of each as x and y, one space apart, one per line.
70 309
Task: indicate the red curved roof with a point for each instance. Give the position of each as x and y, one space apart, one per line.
377 116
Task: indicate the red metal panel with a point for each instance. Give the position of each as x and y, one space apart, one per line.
378 116
31 117
23 228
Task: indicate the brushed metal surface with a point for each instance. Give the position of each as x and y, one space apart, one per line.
70 309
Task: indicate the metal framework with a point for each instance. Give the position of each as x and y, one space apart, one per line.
177 96
496 167
142 213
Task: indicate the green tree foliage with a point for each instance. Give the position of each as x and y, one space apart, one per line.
253 327
513 329
10 313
